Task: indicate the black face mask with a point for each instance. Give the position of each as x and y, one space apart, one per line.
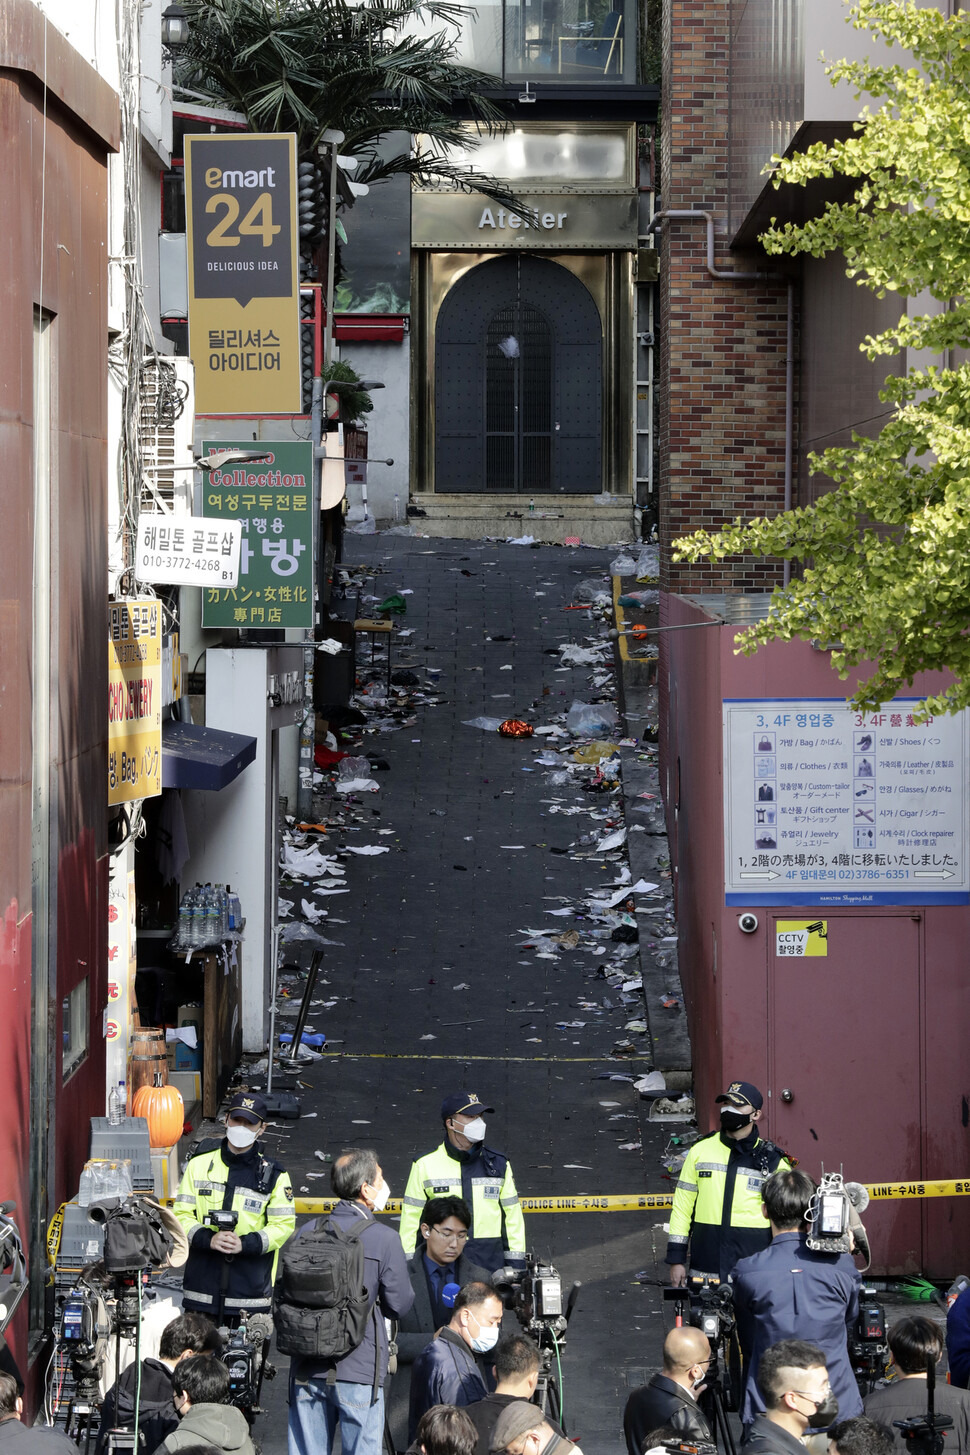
733 1121
826 1413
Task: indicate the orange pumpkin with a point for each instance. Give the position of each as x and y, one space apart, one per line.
163 1109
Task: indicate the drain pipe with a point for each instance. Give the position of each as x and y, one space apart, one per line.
689 214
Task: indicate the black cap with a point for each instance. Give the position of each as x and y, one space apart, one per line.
742 1093
249 1105
463 1103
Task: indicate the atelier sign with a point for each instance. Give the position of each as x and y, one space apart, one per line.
556 220
244 309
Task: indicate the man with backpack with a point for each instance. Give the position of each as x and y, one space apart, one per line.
340 1278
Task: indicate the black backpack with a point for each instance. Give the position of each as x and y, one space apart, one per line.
322 1305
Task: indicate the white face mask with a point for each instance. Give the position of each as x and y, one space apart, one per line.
239 1138
475 1132
381 1196
487 1338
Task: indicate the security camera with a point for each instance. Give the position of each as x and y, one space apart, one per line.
747 923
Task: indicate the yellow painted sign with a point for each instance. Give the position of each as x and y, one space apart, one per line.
134 700
801 937
244 283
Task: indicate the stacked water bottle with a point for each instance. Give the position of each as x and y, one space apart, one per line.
208 915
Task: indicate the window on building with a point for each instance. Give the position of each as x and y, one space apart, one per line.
74 1029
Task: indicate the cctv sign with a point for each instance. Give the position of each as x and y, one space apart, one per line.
244 291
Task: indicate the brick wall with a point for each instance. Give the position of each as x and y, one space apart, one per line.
722 343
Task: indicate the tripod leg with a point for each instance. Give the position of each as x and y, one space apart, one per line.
723 1434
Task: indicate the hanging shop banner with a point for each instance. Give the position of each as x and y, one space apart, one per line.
824 805
186 550
134 700
122 965
274 507
244 288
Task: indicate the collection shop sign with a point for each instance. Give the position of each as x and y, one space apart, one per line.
244 286
555 221
273 504
828 806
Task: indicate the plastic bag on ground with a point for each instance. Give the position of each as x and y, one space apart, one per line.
393 605
643 598
357 785
622 565
648 563
584 719
593 592
573 656
487 724
353 768
594 752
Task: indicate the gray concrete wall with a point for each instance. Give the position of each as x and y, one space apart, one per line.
389 425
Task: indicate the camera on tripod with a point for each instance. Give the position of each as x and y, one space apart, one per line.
534 1295
710 1306
224 1220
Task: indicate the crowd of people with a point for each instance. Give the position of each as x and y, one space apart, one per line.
427 1328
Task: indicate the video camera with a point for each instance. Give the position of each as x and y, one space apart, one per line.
833 1219
224 1220
534 1295
868 1341
244 1352
710 1304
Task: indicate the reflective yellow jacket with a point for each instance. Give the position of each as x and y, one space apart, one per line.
258 1191
484 1179
717 1203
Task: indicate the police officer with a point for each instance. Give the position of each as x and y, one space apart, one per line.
236 1207
462 1166
717 1201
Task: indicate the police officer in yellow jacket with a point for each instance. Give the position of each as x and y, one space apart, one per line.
236 1207
464 1167
717 1200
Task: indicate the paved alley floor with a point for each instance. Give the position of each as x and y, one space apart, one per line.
431 991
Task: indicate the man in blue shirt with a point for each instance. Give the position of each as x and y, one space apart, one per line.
790 1291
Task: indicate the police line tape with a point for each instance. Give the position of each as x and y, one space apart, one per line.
655 1201
608 1202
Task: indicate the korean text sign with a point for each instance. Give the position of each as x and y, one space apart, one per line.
134 700
825 805
273 503
186 551
244 289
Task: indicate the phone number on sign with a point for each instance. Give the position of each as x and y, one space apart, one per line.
185 563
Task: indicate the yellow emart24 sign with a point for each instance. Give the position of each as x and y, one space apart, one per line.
244 285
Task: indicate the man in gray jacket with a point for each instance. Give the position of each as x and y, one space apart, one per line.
350 1391
201 1392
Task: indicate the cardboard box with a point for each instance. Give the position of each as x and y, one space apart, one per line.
165 1169
189 1083
188 1058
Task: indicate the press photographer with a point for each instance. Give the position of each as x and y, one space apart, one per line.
794 1291
916 1343
151 1387
236 1207
670 1399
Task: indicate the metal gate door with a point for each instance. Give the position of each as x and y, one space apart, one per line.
518 381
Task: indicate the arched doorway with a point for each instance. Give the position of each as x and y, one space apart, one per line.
518 381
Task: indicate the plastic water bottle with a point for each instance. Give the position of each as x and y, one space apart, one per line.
397 509
183 937
196 919
117 1104
235 910
212 922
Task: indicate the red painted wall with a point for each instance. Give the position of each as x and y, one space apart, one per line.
871 1040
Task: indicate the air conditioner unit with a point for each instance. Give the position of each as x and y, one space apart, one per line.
167 427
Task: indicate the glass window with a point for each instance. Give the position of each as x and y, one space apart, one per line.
584 158
553 41
74 1028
